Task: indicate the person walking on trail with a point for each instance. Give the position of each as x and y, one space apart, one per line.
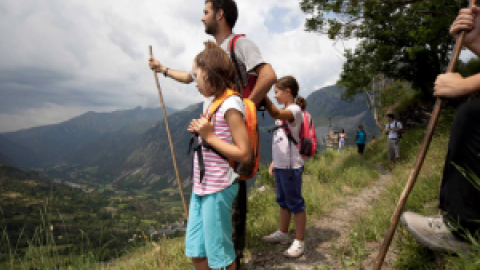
208 239
394 130
287 165
361 137
220 17
459 193
342 137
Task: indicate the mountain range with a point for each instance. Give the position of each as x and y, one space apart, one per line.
130 148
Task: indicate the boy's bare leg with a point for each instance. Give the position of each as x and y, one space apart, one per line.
285 216
300 224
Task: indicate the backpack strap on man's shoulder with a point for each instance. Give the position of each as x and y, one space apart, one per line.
231 49
233 42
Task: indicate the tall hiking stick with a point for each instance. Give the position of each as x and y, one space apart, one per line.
180 188
420 158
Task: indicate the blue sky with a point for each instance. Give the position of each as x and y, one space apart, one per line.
59 59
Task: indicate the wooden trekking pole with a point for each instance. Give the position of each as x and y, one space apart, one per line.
420 157
180 188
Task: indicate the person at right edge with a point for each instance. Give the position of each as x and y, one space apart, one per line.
460 188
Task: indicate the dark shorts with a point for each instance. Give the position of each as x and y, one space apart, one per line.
361 147
288 185
459 197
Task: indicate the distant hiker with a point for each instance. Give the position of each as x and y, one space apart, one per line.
459 193
342 137
373 139
208 239
394 130
257 78
361 137
287 165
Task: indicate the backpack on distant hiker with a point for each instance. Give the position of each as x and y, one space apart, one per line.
245 171
399 134
307 145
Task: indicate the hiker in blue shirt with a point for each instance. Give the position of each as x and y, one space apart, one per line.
361 137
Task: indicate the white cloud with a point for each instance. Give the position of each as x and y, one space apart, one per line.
100 48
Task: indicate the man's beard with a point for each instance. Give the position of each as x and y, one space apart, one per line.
211 28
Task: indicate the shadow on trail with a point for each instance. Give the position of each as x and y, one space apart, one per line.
313 236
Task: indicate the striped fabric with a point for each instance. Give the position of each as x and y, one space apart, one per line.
216 168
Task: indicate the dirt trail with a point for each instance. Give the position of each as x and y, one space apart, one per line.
328 235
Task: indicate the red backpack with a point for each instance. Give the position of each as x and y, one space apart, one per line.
308 139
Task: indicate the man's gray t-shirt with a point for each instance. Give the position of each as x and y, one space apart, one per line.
248 57
247 54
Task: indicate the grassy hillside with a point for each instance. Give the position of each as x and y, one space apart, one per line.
327 178
423 199
39 217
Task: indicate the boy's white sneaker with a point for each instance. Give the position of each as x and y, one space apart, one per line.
276 237
295 250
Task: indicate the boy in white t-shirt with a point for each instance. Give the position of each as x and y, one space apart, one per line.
394 130
287 165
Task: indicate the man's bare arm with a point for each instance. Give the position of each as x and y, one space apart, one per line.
179 76
266 78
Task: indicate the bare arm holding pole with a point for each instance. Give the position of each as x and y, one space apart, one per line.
420 157
180 188
177 75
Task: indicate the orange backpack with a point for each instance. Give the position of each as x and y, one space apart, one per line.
245 171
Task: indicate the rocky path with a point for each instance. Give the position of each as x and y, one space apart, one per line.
328 236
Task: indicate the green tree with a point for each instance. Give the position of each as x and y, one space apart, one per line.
469 68
404 40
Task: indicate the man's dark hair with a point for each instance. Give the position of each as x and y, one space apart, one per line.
229 8
391 115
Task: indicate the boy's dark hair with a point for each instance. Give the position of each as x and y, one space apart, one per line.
391 115
220 71
288 82
229 8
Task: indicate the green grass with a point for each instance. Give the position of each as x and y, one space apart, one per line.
423 199
327 179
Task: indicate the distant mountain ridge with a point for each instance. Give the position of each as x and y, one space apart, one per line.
130 148
327 103
57 143
5 160
18 154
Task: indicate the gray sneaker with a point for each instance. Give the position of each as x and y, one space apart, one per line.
432 233
277 237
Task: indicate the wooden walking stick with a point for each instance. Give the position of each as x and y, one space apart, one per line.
420 158
170 140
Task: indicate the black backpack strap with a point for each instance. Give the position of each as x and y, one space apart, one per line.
286 129
290 138
197 148
238 79
288 132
